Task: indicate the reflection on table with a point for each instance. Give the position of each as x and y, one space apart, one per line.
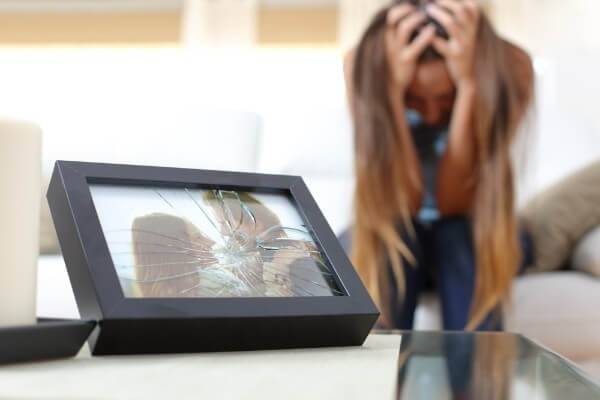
478 366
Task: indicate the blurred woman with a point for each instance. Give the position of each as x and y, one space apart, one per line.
437 99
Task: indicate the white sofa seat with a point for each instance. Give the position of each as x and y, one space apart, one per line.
556 309
559 310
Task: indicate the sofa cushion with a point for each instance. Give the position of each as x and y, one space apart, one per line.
205 139
558 217
586 257
334 196
308 142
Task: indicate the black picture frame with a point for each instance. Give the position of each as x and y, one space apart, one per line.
47 339
157 325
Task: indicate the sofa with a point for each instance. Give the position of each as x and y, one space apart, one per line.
557 309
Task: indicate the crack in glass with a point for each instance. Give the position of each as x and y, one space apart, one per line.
218 243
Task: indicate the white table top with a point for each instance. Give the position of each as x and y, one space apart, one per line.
367 372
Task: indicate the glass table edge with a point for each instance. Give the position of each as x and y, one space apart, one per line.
582 375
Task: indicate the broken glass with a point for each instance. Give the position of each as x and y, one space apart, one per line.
190 242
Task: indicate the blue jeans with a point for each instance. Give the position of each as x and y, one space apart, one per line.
445 262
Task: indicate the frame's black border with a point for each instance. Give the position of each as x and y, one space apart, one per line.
45 340
94 279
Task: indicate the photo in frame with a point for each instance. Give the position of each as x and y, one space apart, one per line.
181 260
186 242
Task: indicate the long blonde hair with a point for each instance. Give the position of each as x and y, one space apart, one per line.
504 77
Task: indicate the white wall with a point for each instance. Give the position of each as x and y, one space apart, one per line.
115 102
564 38
549 26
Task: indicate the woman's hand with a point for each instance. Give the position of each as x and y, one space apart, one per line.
461 20
401 53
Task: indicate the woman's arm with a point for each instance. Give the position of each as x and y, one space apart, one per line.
456 183
456 175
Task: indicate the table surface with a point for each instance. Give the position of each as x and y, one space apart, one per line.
392 364
459 365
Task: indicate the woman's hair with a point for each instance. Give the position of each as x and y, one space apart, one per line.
504 78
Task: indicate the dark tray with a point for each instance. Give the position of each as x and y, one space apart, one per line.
48 339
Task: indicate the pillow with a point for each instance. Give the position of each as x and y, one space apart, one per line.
586 257
558 217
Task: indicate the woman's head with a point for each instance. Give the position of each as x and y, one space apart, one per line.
503 79
431 92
